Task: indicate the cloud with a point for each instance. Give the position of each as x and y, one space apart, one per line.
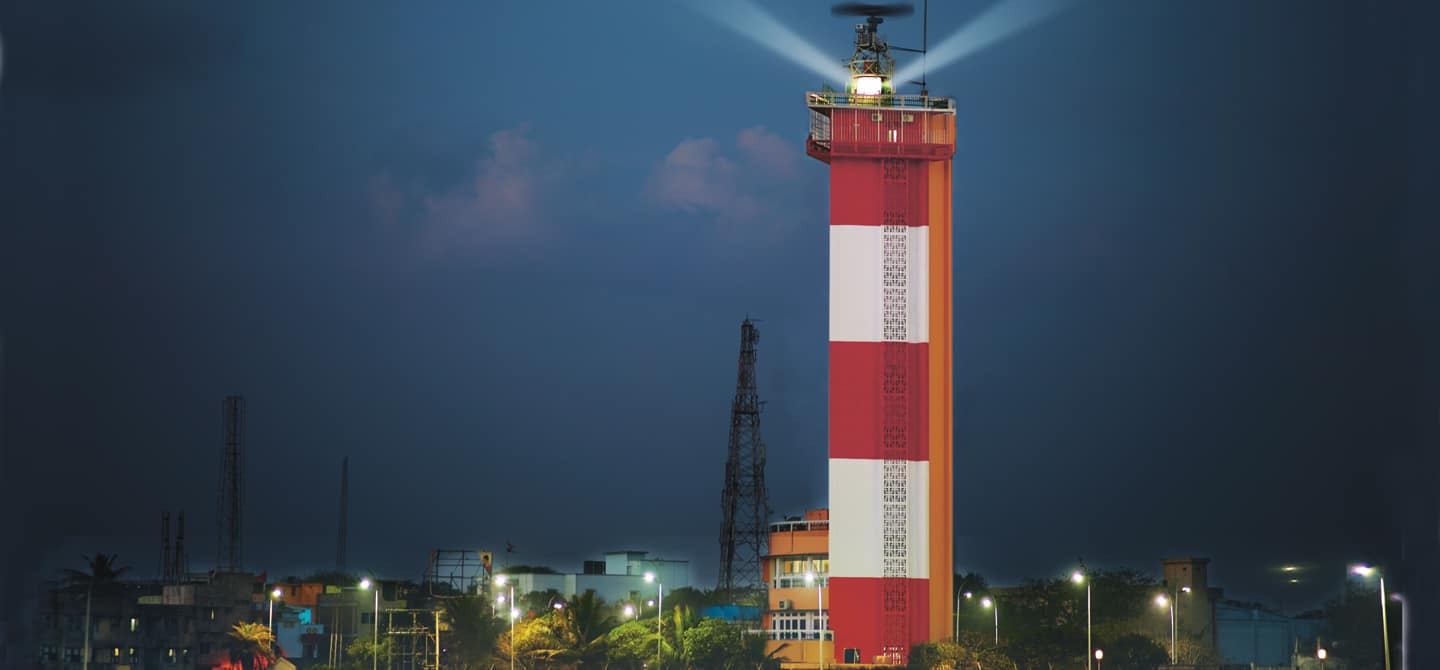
499 202
698 177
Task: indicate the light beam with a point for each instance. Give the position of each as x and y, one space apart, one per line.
753 23
999 22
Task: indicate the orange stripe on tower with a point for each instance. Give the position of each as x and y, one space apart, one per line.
941 410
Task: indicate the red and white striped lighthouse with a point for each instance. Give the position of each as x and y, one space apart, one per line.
890 367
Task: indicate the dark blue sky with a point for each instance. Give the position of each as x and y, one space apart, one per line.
498 253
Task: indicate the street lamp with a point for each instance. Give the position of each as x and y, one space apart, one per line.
1080 578
660 599
274 595
967 595
1162 601
990 604
502 580
375 652
629 610
1321 654
1099 654
1365 571
820 616
1404 630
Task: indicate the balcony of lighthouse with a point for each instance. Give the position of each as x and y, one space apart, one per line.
900 126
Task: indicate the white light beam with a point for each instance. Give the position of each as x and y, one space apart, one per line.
1000 21
753 23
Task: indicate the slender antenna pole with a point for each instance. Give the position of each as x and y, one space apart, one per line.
924 46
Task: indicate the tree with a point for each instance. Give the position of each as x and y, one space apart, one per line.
474 630
714 645
1353 626
250 645
959 656
363 652
631 644
101 574
1189 651
757 658
1134 652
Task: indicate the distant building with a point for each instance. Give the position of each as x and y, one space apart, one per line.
143 625
794 622
1187 580
620 578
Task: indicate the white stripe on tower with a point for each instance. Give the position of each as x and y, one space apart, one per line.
858 282
857 519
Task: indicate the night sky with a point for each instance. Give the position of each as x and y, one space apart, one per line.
498 254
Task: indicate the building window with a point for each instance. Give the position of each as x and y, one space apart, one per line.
72 654
134 624
368 618
47 652
212 615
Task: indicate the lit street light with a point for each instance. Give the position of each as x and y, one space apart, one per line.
629 610
1320 654
274 595
967 595
1162 601
1404 630
374 653
660 598
1099 654
1079 578
1366 571
990 604
820 606
502 580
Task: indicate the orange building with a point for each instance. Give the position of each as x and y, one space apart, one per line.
795 618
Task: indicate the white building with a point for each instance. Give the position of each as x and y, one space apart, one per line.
620 578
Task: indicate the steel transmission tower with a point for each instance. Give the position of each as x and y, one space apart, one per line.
229 504
744 502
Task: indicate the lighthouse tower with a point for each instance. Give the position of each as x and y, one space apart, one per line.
891 467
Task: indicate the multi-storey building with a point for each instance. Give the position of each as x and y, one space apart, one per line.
798 571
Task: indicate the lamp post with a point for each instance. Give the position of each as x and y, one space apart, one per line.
503 580
1404 630
1099 654
1080 578
274 595
820 616
1162 601
1321 654
967 595
987 603
374 652
1366 571
629 610
659 610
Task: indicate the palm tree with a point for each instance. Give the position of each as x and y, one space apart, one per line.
102 574
249 644
474 629
577 632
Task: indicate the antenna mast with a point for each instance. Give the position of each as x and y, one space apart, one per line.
342 538
744 501
230 504
166 563
182 562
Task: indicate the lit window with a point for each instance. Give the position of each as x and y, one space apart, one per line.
134 624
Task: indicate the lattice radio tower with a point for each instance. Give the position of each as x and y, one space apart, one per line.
744 501
229 504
